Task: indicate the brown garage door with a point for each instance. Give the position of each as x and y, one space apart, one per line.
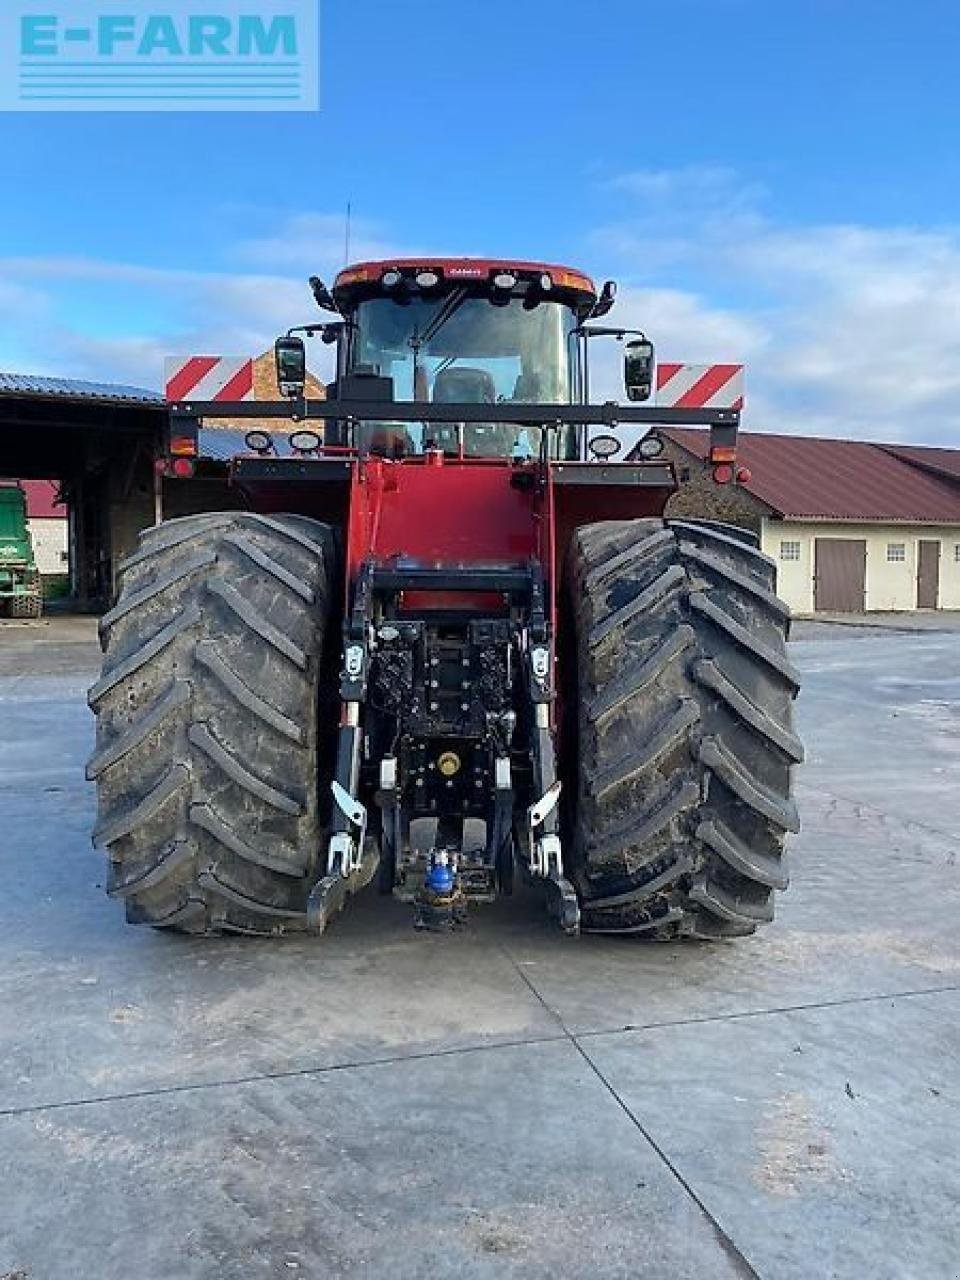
840 575
928 574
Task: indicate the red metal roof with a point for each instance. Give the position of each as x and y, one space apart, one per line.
944 462
40 496
817 479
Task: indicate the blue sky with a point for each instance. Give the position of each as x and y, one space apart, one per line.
769 181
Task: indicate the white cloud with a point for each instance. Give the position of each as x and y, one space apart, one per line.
315 244
85 317
43 302
846 330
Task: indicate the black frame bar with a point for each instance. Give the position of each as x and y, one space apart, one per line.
544 415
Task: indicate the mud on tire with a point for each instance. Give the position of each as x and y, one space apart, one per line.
682 733
206 759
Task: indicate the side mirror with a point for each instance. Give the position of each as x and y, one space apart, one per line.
291 357
638 369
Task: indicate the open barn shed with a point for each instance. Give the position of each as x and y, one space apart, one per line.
97 441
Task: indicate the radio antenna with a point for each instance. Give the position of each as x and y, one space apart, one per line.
346 235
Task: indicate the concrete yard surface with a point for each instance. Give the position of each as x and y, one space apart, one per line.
504 1102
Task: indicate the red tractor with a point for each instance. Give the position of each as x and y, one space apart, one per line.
447 638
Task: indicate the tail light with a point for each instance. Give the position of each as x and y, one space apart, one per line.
723 453
183 446
723 474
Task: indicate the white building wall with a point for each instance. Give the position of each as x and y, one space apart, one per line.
891 586
49 545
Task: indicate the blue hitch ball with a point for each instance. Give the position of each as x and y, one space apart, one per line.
440 880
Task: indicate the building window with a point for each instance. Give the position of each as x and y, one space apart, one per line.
896 552
789 550
956 552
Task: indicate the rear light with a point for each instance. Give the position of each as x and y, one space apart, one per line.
160 466
723 474
304 441
183 446
258 441
604 446
744 475
723 453
182 468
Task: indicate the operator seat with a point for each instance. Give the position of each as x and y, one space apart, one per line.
386 439
464 386
467 385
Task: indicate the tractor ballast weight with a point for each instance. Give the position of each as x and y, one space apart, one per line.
438 608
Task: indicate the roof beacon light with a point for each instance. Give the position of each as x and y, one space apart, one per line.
304 441
427 279
390 279
504 280
258 441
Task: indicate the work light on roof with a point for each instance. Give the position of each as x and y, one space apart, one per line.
504 280
427 279
390 279
546 282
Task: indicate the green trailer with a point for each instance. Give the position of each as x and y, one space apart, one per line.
21 595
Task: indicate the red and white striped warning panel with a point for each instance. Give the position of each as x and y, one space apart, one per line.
208 378
699 386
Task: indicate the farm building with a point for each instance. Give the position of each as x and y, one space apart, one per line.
47 521
95 444
853 526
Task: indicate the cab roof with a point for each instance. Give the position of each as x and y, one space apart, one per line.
467 269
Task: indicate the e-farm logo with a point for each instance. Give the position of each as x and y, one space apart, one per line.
182 55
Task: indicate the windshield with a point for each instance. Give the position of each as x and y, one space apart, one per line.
458 348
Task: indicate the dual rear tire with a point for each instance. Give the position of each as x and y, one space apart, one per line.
206 760
681 741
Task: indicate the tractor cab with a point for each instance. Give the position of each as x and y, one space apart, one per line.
469 332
